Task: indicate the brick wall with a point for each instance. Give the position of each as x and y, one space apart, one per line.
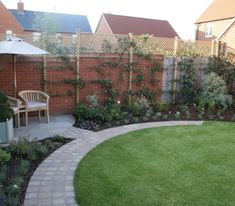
29 76
8 21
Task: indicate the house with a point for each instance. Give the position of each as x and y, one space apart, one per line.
218 23
117 24
20 21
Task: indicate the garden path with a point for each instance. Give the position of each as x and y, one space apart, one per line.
52 182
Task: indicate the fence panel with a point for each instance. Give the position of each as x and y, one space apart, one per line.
59 45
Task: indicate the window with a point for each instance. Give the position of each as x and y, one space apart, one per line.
74 38
208 30
58 38
8 34
36 36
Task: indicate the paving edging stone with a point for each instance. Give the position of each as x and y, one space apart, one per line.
52 182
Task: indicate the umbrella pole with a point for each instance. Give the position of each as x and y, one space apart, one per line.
14 71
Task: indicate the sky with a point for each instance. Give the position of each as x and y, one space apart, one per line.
180 13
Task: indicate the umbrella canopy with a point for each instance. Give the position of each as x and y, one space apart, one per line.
16 46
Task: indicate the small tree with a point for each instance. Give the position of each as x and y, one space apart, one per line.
188 89
214 92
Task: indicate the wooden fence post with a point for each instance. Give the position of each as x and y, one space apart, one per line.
176 44
44 70
77 95
130 68
212 47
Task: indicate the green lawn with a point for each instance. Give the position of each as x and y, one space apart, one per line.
181 165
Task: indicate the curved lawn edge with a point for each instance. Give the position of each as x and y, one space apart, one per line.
102 152
52 182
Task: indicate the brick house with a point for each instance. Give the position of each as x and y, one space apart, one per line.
117 24
218 23
20 21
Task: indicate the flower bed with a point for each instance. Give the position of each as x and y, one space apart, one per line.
105 117
18 161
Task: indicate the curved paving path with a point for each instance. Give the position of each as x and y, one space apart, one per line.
52 182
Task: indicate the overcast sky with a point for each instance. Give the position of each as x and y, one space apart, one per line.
180 13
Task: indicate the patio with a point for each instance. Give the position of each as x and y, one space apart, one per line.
40 129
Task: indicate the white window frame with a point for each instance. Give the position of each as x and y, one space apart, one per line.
9 34
36 36
208 30
74 38
58 38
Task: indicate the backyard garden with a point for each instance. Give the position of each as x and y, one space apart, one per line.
128 84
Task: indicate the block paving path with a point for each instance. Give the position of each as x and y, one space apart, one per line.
52 182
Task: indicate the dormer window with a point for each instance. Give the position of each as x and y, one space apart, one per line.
74 38
36 36
208 30
58 38
8 34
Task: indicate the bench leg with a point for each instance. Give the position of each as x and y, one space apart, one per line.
26 118
47 111
18 120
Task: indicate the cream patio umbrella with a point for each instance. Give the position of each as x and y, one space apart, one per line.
16 46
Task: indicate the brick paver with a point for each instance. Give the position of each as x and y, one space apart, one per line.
52 182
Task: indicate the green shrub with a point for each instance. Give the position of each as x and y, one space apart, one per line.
188 89
135 110
4 157
6 113
3 175
23 167
214 92
24 148
42 149
49 144
161 107
143 104
99 114
58 138
80 112
93 100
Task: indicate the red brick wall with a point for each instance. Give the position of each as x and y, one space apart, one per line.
8 21
118 75
29 76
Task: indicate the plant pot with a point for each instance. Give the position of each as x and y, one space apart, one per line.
6 131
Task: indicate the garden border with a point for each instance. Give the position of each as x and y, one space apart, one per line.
52 182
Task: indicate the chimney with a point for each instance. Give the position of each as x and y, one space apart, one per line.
20 7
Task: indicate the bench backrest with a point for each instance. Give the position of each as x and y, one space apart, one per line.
34 96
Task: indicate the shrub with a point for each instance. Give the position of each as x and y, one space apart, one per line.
80 112
143 104
188 89
214 92
135 110
24 148
4 157
58 138
23 167
6 112
161 107
93 100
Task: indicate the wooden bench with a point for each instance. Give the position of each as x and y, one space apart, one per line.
35 101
